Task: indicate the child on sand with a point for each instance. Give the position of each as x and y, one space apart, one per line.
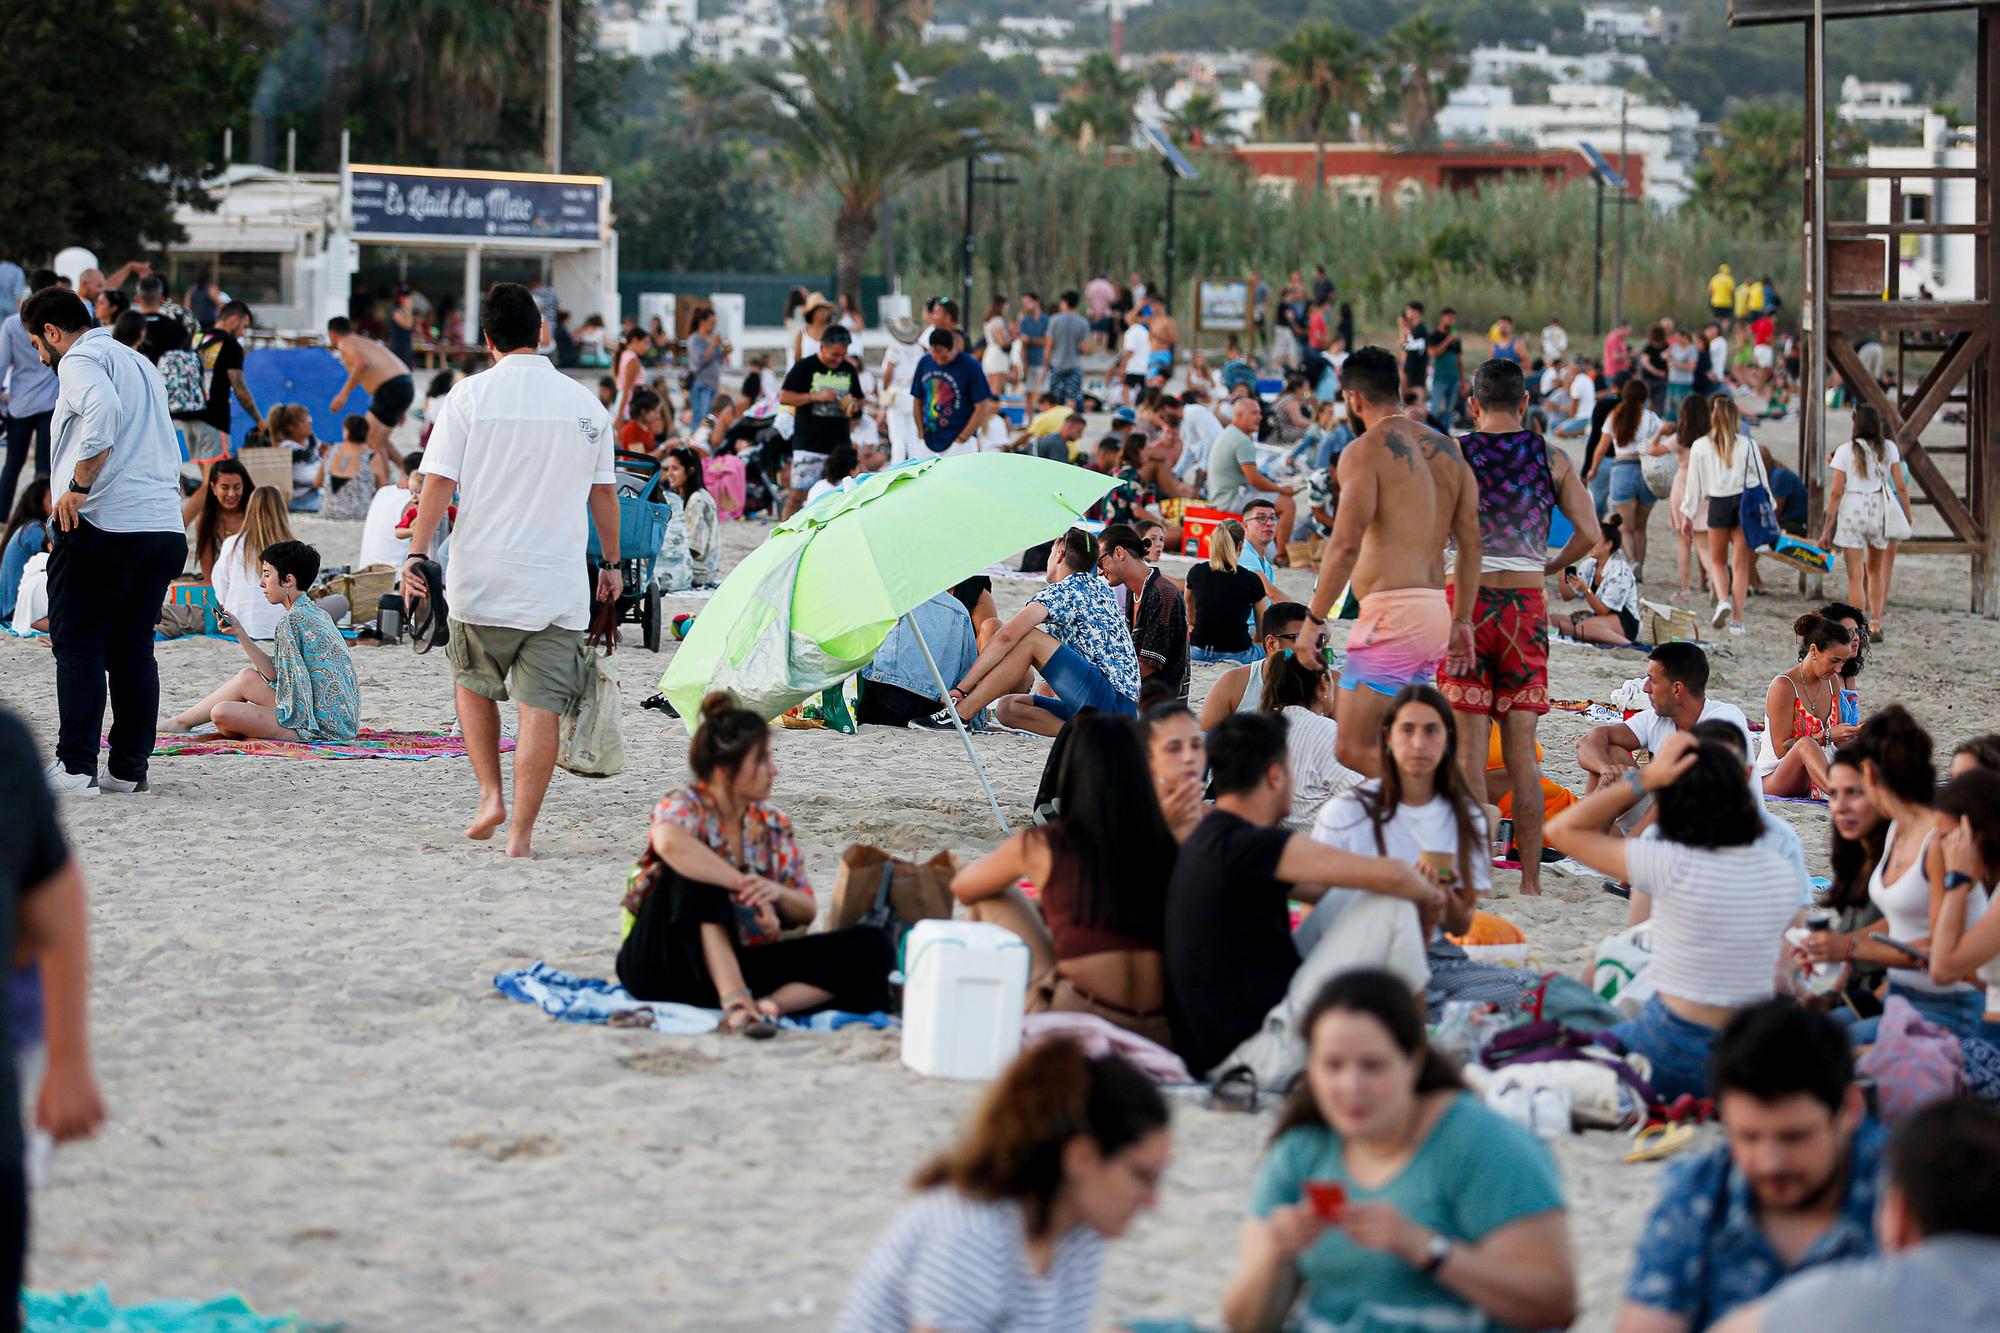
304 689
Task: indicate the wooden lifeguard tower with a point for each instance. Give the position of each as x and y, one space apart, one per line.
1852 286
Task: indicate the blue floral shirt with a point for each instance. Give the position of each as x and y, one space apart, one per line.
318 696
1083 613
1703 1254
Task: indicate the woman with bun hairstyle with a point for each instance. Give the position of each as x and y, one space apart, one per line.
1302 692
1908 883
1391 1196
1009 1227
1802 723
1604 580
721 879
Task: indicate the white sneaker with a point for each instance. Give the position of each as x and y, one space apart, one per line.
65 783
1722 610
111 786
1549 1112
1736 628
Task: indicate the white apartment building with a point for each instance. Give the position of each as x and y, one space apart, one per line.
1241 101
645 28
1862 101
1498 64
750 30
1665 136
1941 264
1616 23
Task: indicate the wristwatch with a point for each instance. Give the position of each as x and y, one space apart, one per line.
1435 1253
1957 879
78 489
607 564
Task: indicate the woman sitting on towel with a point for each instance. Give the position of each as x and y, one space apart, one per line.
1009 1228
1177 758
1606 582
1722 895
1391 1196
1856 937
1802 712
704 533
721 879
302 690
1102 867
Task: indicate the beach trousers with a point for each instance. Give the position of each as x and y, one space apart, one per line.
662 960
105 590
21 431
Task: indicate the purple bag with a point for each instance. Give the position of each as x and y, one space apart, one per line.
1547 1040
1914 1062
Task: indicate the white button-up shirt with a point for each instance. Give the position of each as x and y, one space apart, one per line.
109 399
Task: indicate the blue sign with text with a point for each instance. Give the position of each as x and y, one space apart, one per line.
396 203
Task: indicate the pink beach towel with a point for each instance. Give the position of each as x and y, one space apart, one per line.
369 744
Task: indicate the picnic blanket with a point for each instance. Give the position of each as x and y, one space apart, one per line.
94 1312
568 998
1795 800
369 744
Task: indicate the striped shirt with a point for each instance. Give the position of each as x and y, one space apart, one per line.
1718 917
952 1263
1312 743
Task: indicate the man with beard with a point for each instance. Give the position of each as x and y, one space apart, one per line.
1794 1188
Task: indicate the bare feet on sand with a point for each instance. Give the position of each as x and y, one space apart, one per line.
173 726
490 816
518 844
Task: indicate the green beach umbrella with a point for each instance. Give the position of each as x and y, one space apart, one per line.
809 607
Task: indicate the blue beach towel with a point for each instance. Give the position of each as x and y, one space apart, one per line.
574 999
93 1312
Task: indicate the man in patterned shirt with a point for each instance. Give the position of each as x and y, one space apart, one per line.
1794 1188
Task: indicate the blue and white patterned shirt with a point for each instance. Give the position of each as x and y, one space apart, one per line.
1703 1254
1083 613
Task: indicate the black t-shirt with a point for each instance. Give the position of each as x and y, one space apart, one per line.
164 334
1417 355
1222 606
32 850
1229 953
220 354
820 426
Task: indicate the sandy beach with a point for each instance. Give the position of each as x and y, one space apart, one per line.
319 1100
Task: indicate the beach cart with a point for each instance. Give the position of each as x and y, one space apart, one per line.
642 530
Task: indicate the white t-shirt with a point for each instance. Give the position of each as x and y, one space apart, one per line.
1878 467
1583 396
241 594
1138 345
1555 342
524 443
1653 730
1649 426
1343 823
1718 357
379 543
900 364
1718 917
1311 742
949 1262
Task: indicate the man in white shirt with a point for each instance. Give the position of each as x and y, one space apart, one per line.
1676 687
1199 429
1555 340
1582 393
117 540
899 370
1718 354
1135 351
528 448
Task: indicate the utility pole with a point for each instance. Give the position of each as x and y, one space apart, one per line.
1597 267
1624 202
554 115
965 251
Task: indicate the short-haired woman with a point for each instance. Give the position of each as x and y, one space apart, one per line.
304 689
1392 1197
1008 1231
720 881
1720 899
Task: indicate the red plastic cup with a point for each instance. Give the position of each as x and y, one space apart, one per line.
1327 1198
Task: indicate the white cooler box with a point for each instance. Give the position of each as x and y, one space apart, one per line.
965 990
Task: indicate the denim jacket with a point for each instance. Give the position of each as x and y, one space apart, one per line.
947 629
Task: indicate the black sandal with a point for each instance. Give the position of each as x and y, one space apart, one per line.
1235 1091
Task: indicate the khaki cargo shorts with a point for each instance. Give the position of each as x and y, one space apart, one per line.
547 668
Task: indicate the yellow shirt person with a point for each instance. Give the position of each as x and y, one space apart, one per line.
1721 290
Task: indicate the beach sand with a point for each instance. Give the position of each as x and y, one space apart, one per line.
318 1099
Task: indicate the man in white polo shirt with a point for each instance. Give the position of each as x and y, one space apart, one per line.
529 450
1677 688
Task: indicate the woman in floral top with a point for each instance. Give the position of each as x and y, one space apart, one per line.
721 878
1604 580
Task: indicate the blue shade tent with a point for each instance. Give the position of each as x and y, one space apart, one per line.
310 376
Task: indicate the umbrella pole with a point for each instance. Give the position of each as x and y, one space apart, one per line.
944 693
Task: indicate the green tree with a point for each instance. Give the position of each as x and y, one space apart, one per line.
836 116
1199 119
667 214
1107 92
1426 63
1754 173
1320 75
80 170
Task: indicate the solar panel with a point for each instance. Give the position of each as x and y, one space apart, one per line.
1605 171
1164 146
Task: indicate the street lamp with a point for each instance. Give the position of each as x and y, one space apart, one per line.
978 154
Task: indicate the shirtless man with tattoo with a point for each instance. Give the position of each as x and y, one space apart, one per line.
1405 490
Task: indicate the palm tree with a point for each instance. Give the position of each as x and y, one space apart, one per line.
1321 74
1108 93
838 118
1199 120
1429 63
1071 121
707 92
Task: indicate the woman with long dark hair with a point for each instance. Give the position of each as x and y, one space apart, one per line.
1303 692
1690 548
1854 935
27 534
1102 866
721 878
1627 431
704 528
1008 1230
1392 1197
1802 723
217 511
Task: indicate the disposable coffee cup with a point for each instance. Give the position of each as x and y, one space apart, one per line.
1445 864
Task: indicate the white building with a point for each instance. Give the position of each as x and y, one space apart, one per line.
750 30
1498 64
645 28
1665 136
1891 102
1240 100
1943 265
1616 23
1048 29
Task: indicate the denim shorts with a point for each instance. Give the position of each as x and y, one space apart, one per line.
1079 685
1677 1049
1628 483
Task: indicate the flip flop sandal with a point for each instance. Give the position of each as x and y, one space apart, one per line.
428 616
1235 1091
1656 1142
1617 890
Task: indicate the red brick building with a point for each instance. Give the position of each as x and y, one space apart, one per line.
1386 175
